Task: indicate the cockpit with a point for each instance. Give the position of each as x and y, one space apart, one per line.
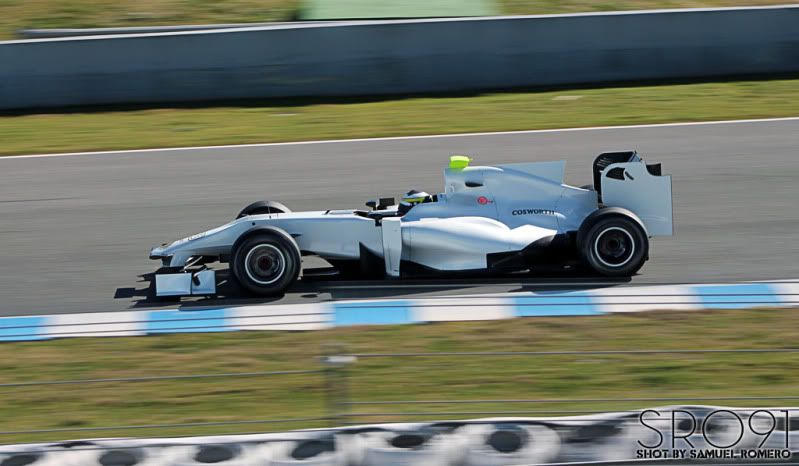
388 207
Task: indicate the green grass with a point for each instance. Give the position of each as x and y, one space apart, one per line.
527 7
30 14
381 379
294 121
349 9
22 14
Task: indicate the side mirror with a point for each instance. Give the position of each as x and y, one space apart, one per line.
380 204
385 202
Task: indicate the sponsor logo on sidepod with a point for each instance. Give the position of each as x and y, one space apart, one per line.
533 212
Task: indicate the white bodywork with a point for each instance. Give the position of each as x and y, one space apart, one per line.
488 210
482 210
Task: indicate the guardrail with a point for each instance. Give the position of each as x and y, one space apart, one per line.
398 57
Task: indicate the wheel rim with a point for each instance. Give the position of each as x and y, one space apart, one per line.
614 247
265 264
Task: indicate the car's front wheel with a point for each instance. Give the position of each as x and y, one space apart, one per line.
266 263
263 207
615 246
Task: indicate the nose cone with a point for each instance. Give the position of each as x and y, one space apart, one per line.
158 252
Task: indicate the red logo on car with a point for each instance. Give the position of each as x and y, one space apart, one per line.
482 200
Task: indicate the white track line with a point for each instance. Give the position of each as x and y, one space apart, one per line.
406 138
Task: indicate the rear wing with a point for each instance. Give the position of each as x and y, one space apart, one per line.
623 179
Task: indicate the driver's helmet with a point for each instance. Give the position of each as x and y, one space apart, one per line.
411 198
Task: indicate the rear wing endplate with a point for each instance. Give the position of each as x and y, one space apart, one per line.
642 189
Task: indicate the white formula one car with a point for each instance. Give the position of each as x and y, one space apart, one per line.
503 219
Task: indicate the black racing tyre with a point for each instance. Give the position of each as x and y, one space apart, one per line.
615 246
265 264
263 207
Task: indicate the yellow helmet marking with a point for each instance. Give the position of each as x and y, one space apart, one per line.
459 162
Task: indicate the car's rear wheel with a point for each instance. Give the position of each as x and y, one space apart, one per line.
615 246
266 264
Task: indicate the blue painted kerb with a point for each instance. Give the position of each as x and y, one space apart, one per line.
556 304
736 296
22 328
372 313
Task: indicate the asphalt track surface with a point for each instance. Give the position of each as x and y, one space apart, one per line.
75 231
